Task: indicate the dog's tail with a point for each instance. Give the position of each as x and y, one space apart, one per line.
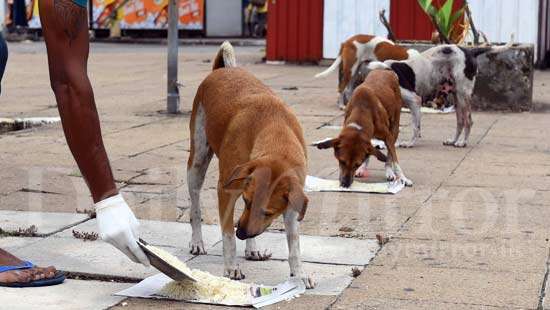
333 67
225 57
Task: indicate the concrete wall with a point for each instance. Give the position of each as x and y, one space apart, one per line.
505 80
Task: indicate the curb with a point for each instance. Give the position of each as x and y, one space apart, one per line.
13 124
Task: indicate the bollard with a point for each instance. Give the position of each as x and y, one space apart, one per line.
173 97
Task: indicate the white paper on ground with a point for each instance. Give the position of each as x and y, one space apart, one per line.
150 287
39 120
314 184
427 110
379 144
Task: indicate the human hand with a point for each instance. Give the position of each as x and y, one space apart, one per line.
119 227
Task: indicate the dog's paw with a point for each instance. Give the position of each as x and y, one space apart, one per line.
406 144
390 175
257 255
406 181
449 142
197 248
234 274
308 281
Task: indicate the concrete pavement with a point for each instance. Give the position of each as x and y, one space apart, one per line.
472 233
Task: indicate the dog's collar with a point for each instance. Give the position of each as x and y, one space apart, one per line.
355 125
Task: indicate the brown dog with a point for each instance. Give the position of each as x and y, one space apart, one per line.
373 112
262 157
358 49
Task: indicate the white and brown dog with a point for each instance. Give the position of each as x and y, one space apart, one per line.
356 50
373 112
262 157
424 75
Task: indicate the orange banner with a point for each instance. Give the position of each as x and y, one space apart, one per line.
147 14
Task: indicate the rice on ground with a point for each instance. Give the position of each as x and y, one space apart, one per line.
207 288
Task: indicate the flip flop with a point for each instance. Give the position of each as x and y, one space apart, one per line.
58 278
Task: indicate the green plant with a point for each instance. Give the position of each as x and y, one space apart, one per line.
443 18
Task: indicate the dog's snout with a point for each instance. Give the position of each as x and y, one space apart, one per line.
244 234
241 234
447 51
345 181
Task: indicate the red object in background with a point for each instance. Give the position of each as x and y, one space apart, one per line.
295 30
410 22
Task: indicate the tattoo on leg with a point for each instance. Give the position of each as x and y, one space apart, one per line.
71 16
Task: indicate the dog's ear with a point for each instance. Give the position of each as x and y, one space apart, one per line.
327 144
240 176
297 200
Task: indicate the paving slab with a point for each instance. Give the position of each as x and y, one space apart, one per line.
12 243
458 220
492 154
469 179
350 214
166 208
71 295
43 202
488 195
139 139
168 234
148 160
447 285
331 279
314 249
13 178
497 255
444 285
46 223
100 258
90 257
325 250
520 169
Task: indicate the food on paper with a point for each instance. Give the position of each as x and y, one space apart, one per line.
202 287
259 296
208 288
314 184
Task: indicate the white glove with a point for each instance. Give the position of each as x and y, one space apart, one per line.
119 227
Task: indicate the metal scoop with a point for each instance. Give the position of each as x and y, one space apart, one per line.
164 266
